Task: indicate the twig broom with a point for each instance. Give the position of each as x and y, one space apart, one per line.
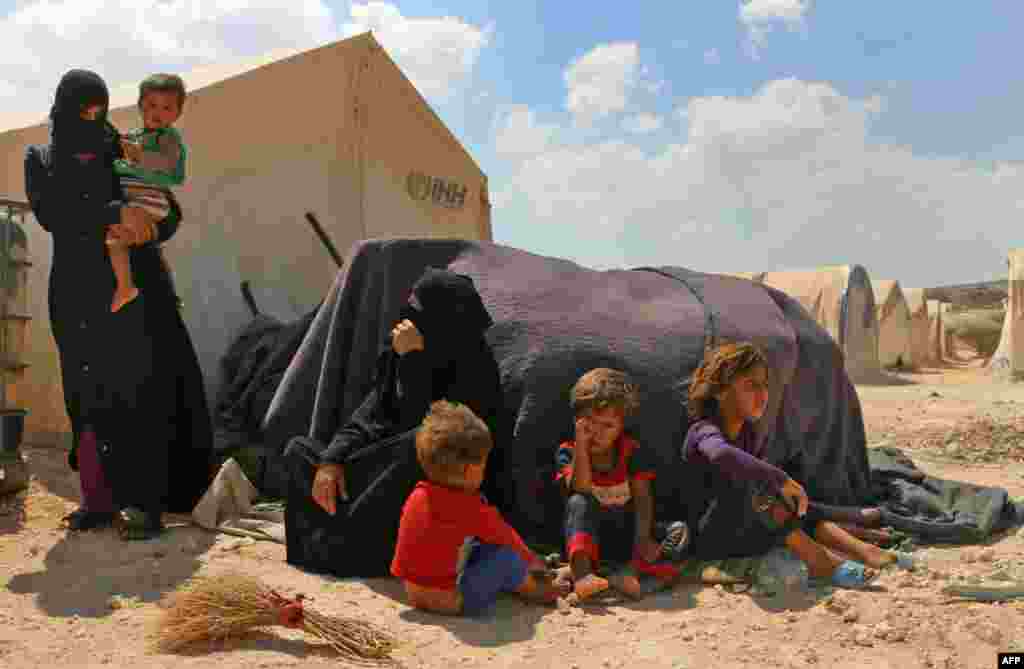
215 608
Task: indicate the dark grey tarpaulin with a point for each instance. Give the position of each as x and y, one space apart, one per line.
554 320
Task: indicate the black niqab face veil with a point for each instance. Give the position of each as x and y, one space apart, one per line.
70 133
448 312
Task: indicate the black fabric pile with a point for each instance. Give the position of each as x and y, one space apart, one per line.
553 321
250 372
934 510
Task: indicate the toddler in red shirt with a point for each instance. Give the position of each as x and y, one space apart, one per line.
455 553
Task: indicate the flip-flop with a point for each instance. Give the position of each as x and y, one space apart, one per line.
904 561
677 540
136 525
851 576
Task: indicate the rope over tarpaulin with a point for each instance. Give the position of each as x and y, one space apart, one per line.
710 319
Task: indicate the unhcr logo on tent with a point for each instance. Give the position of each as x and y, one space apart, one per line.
445 193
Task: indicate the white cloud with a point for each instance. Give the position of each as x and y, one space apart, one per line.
712 57
642 123
787 177
124 40
518 135
601 81
437 53
761 16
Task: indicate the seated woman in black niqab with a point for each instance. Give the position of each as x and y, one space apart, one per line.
344 518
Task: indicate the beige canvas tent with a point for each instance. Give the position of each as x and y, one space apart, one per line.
338 131
936 330
841 300
1008 360
894 324
917 306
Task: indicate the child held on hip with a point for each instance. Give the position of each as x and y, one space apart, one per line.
729 392
154 162
455 553
607 478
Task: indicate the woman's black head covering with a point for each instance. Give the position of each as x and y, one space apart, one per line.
447 311
70 133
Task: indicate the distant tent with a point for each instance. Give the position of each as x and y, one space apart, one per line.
841 300
918 309
1008 361
947 332
894 324
936 333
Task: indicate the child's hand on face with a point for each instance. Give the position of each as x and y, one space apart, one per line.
584 435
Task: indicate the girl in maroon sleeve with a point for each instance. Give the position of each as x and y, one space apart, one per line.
747 505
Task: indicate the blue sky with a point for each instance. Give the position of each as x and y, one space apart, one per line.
716 135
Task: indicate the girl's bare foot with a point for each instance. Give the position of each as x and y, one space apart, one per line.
627 583
588 586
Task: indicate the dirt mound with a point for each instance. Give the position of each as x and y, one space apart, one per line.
981 439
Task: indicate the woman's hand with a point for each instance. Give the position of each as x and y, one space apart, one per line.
405 337
132 150
328 485
134 228
794 493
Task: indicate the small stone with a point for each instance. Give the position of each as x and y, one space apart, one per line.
987 555
792 617
897 634
686 636
851 616
882 630
863 639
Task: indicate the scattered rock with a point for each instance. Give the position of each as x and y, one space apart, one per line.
851 616
863 639
986 632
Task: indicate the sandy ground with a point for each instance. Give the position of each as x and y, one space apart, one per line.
90 600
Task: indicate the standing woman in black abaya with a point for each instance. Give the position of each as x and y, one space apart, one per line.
132 385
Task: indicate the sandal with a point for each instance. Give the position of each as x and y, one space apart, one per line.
852 576
136 525
904 561
84 521
677 540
